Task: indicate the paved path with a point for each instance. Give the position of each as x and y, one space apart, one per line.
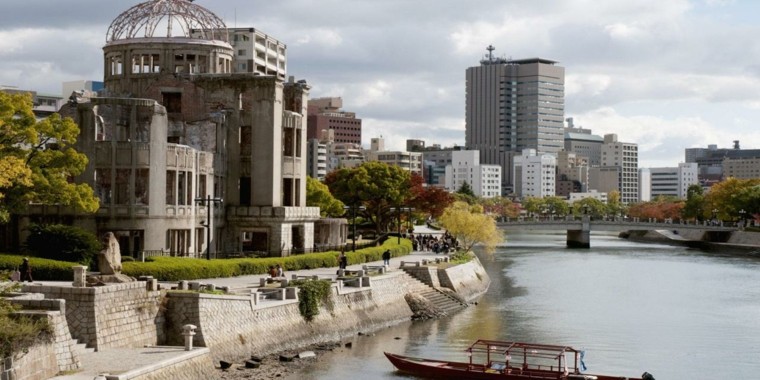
130 361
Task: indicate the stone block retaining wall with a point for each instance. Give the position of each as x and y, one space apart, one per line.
196 365
469 280
39 363
117 315
234 327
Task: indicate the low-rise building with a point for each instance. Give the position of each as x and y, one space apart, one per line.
465 167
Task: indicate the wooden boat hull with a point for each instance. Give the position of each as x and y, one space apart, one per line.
439 369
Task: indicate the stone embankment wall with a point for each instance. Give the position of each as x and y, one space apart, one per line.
469 280
738 239
119 315
235 327
196 365
38 363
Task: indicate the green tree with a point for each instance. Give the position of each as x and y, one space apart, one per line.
694 208
533 205
375 185
589 206
38 161
466 189
556 206
62 242
614 204
318 195
471 227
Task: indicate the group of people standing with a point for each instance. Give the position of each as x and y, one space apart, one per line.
430 243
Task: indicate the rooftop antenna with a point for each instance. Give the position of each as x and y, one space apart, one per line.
490 49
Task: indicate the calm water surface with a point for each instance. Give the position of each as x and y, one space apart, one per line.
674 312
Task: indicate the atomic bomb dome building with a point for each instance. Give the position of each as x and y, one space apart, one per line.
178 134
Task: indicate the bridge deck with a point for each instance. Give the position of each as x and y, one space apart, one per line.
604 225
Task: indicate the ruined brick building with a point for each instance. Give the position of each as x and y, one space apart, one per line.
176 124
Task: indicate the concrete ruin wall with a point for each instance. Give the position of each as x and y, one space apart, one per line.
469 280
234 327
118 315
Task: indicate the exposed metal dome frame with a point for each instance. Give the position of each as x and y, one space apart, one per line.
142 20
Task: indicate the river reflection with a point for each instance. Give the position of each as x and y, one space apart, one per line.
671 311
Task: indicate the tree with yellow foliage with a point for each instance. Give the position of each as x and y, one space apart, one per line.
470 226
38 160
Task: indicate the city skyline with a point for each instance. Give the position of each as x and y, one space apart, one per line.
667 76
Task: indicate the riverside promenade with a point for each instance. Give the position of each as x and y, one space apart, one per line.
127 363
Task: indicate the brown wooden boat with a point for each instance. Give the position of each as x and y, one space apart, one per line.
489 359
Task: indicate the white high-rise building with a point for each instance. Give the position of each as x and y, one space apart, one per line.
672 181
485 180
534 175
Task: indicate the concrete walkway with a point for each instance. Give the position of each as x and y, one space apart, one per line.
131 362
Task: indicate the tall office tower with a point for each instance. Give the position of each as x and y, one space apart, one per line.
325 114
624 157
514 105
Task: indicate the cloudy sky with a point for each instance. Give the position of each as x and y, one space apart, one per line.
667 75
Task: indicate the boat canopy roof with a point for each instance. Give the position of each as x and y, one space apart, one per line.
503 347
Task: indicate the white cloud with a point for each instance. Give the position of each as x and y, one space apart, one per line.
624 31
323 37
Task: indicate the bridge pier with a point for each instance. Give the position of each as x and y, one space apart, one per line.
580 238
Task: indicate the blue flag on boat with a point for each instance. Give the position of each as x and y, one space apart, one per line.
583 364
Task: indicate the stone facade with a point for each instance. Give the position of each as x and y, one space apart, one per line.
122 315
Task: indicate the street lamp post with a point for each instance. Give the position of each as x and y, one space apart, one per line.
398 211
741 217
208 202
353 209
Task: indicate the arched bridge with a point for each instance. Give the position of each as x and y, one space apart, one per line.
579 229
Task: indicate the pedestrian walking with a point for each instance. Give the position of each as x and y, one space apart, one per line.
342 259
387 257
26 271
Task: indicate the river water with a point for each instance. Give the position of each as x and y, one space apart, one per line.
677 313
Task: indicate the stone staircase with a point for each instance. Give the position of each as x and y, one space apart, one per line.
440 299
81 348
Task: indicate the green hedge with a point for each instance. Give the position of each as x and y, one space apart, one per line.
42 269
179 268
182 268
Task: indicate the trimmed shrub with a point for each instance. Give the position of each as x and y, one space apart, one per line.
183 268
61 242
42 269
